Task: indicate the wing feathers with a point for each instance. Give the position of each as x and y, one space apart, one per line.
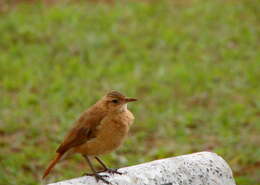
75 138
81 132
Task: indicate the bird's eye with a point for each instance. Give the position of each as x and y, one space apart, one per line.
115 101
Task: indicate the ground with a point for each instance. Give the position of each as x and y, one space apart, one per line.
194 66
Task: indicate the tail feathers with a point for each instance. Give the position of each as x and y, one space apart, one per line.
52 164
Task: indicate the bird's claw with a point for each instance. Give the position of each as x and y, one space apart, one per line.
101 177
93 174
98 177
113 171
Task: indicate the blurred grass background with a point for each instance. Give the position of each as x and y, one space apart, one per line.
194 66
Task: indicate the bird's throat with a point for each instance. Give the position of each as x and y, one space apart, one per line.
123 108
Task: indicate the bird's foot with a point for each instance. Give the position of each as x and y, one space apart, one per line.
93 174
113 171
101 177
98 177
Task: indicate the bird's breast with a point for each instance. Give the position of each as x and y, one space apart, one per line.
110 134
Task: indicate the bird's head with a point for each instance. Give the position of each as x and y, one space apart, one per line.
115 100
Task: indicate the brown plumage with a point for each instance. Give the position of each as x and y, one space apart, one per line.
99 130
52 164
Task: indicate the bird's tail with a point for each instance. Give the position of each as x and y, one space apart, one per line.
52 164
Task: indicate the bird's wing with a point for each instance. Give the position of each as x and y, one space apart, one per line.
80 133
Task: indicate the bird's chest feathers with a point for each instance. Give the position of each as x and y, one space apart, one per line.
116 125
109 133
115 128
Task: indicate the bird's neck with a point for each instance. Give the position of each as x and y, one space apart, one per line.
121 109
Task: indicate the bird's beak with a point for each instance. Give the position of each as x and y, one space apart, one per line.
130 99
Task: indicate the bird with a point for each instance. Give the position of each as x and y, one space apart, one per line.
99 130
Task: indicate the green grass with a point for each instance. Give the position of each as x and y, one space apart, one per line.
195 67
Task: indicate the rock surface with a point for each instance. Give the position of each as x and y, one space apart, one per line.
204 168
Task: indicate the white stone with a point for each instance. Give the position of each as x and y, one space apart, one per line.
204 168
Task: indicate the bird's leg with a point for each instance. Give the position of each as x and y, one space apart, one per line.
97 176
106 169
